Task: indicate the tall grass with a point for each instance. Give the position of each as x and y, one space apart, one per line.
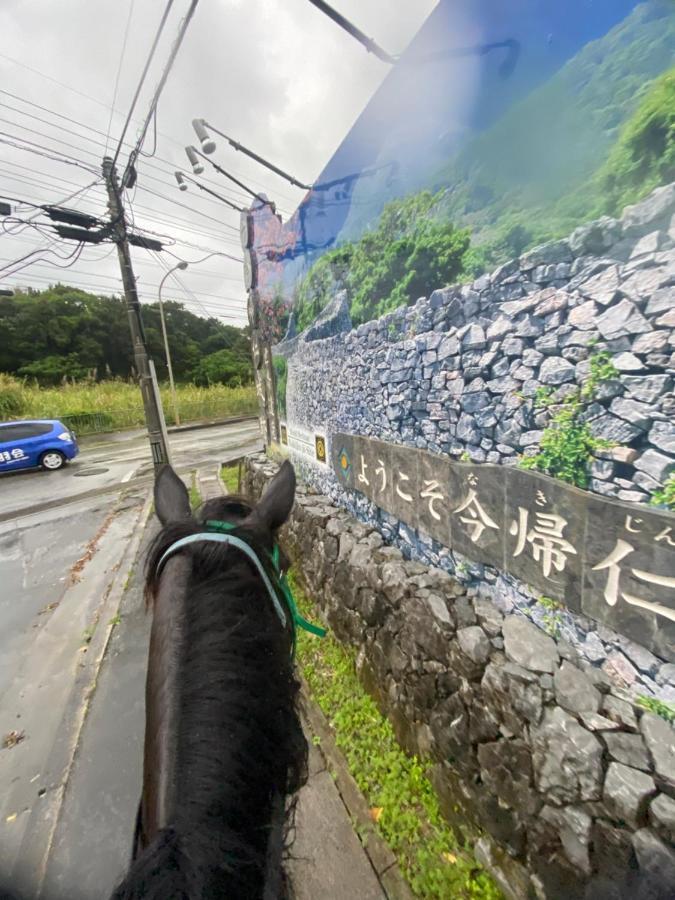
89 407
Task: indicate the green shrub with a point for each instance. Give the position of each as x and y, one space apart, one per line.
567 445
12 400
228 367
659 707
644 155
436 861
665 495
54 369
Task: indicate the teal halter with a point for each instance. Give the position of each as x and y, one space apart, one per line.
219 533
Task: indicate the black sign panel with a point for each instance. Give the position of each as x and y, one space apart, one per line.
611 561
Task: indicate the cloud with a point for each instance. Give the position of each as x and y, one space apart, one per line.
277 75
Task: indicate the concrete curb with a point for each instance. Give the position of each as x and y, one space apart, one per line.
212 423
85 682
379 854
175 429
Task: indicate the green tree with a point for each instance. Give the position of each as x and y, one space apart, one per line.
223 367
281 370
63 331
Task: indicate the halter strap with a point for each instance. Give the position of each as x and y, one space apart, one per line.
215 535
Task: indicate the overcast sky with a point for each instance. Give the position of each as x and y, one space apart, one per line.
277 75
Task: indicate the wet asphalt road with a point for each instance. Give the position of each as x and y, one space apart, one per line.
110 461
36 556
39 549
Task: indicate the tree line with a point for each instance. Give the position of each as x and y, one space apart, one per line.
66 333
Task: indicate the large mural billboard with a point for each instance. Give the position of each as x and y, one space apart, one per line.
502 126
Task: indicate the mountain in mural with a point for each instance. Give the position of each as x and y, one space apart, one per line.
553 141
521 172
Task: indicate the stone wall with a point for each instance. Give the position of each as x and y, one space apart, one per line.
458 372
572 783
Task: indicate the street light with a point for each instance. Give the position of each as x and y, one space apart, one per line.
197 167
182 265
183 179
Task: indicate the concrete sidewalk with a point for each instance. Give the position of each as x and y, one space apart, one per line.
91 841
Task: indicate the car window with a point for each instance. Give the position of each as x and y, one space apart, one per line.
36 429
9 433
23 430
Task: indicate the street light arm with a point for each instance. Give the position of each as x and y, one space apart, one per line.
182 177
240 184
259 159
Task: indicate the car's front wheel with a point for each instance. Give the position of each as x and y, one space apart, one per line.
52 460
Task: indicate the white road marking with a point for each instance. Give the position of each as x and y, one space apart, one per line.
128 476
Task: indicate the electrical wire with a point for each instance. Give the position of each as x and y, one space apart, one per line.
231 303
149 298
157 159
161 218
167 220
62 158
182 29
71 196
142 79
178 203
119 70
71 146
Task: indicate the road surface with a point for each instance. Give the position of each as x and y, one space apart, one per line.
108 462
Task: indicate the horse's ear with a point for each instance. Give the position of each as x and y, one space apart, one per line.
277 501
172 501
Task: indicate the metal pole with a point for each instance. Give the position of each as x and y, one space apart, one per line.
153 419
166 342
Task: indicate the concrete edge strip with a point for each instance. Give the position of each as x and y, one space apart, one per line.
86 680
379 854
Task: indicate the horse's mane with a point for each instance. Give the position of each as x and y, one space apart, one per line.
240 742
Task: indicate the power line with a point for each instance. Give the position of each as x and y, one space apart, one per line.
160 217
160 87
74 147
69 130
142 79
62 158
119 70
178 203
150 298
157 158
230 303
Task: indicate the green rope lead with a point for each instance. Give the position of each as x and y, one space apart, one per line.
290 599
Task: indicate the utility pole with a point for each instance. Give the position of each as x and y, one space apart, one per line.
153 411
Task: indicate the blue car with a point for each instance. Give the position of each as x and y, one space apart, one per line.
46 443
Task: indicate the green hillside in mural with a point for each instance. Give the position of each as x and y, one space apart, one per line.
525 168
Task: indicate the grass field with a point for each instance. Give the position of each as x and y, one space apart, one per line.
230 478
91 407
